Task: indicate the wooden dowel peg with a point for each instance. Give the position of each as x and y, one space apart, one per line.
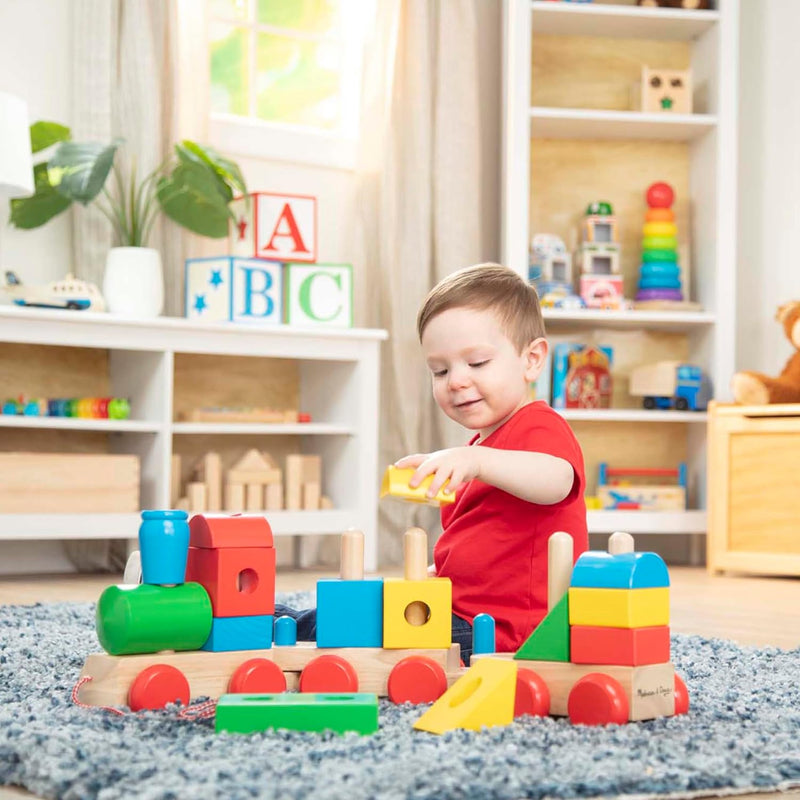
559 566
415 554
620 542
352 555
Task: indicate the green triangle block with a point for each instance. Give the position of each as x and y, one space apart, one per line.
550 639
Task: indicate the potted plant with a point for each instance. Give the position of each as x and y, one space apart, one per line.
193 187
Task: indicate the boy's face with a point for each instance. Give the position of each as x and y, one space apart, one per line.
479 378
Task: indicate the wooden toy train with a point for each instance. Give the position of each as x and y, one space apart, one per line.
201 625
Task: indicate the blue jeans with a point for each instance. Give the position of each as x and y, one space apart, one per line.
307 628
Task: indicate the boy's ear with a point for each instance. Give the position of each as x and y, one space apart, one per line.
535 357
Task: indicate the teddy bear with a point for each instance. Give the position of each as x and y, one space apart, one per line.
754 388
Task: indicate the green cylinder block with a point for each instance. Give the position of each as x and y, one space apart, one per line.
149 618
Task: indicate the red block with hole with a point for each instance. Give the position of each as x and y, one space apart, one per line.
239 580
229 531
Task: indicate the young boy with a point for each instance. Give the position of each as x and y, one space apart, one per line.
521 477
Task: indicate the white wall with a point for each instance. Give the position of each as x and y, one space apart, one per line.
36 64
769 180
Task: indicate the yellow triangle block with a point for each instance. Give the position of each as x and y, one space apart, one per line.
395 484
482 697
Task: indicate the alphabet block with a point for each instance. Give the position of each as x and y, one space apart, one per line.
319 295
401 596
245 290
240 633
282 227
350 613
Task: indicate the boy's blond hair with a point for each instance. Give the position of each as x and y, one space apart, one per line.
493 287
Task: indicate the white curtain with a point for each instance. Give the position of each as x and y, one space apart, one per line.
420 210
139 74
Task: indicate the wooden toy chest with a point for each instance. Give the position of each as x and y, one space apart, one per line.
754 489
65 483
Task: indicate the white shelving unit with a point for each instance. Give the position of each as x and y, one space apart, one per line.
338 386
711 141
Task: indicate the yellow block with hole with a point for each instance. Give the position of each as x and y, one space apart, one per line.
417 613
482 698
660 229
395 484
619 608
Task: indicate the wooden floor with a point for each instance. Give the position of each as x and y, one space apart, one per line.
751 611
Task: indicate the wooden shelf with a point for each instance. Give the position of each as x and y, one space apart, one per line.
582 123
620 21
651 320
647 521
631 415
78 424
262 428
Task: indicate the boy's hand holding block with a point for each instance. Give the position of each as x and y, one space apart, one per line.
395 484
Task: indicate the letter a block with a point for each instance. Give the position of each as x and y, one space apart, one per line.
482 697
248 290
435 595
319 295
280 227
350 613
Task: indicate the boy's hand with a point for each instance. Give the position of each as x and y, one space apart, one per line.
456 466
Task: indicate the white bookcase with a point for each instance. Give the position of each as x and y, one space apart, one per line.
337 379
561 124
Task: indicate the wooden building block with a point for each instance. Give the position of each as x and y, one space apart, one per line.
433 593
252 632
66 483
252 468
273 497
350 613
229 531
622 571
311 496
209 471
484 697
254 497
175 480
198 497
619 608
325 502
666 90
234 497
294 482
630 646
550 640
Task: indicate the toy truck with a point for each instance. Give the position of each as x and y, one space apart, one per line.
671 384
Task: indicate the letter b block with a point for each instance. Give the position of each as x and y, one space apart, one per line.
402 598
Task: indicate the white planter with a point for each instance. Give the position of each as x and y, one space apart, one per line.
133 284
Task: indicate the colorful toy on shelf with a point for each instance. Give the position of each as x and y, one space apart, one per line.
550 270
69 293
671 384
621 495
666 90
81 407
691 5
244 414
598 257
581 376
395 484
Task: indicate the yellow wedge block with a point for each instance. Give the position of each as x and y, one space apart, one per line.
406 602
619 608
482 698
395 484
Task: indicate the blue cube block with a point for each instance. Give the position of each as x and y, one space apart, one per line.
240 633
350 613
233 289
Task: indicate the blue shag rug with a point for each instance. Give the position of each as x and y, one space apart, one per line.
742 733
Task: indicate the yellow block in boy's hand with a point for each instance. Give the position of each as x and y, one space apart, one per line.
395 484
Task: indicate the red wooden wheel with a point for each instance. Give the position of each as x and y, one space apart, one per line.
156 686
328 674
597 699
681 696
533 696
416 679
257 676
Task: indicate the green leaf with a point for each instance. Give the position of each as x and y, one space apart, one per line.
226 171
190 196
46 134
79 171
46 202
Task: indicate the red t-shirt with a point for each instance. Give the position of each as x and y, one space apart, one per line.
494 545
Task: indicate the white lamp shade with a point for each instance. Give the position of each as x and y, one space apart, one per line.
16 164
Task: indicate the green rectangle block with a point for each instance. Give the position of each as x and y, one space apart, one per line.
249 713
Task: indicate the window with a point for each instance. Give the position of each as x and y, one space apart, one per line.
285 78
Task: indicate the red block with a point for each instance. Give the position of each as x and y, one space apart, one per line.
239 580
631 647
229 531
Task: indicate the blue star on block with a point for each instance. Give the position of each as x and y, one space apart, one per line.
216 278
199 303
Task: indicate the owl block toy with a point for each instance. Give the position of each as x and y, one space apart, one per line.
278 227
667 90
319 295
231 289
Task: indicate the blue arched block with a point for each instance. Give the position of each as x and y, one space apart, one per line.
601 570
350 613
483 639
285 631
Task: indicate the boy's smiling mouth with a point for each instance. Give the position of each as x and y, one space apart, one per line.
468 403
